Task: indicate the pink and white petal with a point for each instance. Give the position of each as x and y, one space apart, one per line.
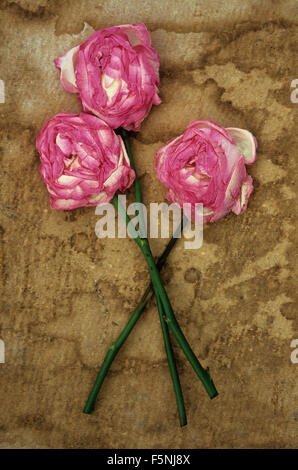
89 186
246 143
68 181
64 144
233 190
241 203
118 180
137 34
207 214
123 153
210 125
67 204
67 64
156 99
99 199
161 153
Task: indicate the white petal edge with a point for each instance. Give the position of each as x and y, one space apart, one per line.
246 143
246 189
66 63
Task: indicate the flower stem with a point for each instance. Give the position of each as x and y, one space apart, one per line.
137 186
172 365
113 351
164 327
160 291
116 346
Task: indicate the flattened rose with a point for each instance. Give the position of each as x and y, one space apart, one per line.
116 73
83 161
206 165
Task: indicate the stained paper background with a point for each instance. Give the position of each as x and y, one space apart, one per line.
66 294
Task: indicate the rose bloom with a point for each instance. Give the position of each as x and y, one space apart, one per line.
206 165
83 161
116 73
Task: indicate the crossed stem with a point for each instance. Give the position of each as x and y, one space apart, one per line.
166 314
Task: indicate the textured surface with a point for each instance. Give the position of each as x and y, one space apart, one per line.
66 294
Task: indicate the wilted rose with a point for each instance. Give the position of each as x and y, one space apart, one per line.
206 165
116 73
83 161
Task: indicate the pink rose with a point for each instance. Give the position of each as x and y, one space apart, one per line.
116 73
206 165
83 161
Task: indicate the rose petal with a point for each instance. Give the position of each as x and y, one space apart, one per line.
137 34
96 168
241 203
116 73
99 199
246 143
210 125
67 63
67 204
204 165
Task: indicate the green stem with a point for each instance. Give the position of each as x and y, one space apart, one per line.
160 291
113 351
116 346
164 328
138 190
172 365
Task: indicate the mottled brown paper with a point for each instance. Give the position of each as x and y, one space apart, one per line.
66 294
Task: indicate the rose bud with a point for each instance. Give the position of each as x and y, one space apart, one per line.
83 161
206 165
116 73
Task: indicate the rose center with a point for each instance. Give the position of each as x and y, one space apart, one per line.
71 162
